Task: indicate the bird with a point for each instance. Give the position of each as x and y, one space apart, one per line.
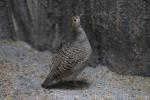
72 58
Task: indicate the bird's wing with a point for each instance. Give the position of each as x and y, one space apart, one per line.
67 58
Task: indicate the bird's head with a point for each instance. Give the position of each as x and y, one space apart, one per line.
76 21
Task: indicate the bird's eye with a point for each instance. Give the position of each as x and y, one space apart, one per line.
74 20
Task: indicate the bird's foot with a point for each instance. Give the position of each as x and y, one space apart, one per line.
76 84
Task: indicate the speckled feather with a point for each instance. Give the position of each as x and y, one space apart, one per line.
66 59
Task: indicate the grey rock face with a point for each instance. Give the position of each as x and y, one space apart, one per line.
117 29
125 44
4 23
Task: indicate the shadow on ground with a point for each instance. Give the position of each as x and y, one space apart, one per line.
75 84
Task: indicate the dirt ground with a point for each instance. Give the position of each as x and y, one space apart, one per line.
23 69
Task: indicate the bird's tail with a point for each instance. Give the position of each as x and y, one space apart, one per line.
49 81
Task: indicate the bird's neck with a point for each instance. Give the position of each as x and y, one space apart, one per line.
81 35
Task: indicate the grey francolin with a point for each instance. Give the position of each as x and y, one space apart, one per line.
70 60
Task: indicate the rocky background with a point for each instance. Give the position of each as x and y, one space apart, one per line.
117 29
31 31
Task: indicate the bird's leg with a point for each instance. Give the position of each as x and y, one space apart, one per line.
76 83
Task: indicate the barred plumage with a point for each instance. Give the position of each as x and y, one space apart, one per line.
69 61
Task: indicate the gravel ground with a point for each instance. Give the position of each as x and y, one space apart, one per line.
23 69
